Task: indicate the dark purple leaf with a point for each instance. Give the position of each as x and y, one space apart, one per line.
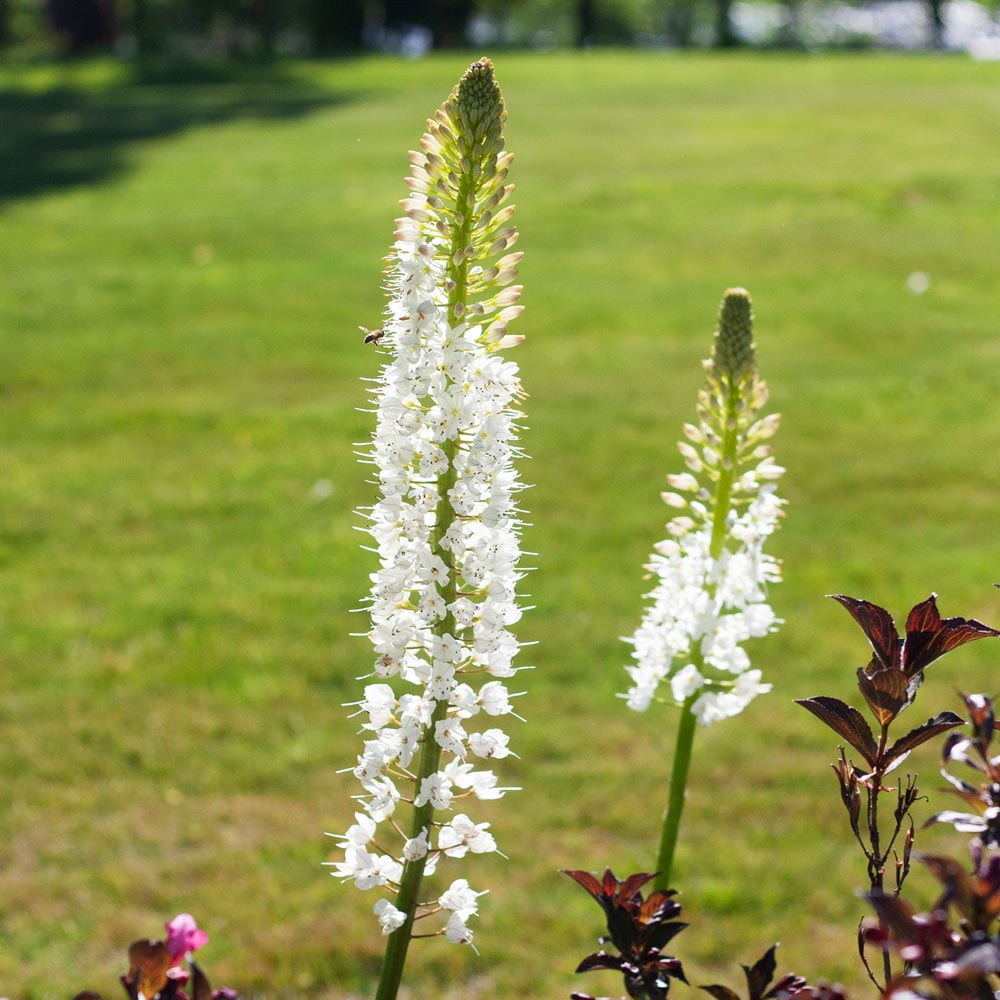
959 887
878 626
659 906
787 986
761 973
886 691
604 891
600 960
660 935
149 962
936 726
980 709
586 880
980 960
622 930
721 992
846 722
963 822
200 989
629 888
895 915
928 636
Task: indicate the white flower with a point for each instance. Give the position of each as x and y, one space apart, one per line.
715 705
379 703
462 835
456 931
490 743
482 784
367 869
382 798
494 698
389 918
460 899
416 847
685 682
361 833
435 789
451 736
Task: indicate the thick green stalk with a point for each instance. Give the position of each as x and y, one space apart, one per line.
686 727
732 360
408 896
413 871
678 793
724 487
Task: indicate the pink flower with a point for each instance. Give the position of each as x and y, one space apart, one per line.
183 936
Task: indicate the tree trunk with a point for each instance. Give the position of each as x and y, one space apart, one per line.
336 25
585 20
937 23
725 37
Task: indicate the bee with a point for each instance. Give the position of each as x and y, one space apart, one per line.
372 336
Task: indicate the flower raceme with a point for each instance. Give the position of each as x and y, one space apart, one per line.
711 571
445 525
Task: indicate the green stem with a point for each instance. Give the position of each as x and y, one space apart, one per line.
686 726
413 871
724 487
678 793
408 896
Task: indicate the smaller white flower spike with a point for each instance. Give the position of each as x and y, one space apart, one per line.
711 571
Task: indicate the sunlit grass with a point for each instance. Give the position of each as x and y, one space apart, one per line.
184 271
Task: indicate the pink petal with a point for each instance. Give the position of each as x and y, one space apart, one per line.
184 935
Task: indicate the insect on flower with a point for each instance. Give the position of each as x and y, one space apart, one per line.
372 336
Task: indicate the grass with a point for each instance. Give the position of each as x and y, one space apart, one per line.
185 265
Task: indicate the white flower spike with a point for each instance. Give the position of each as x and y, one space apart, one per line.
711 571
445 525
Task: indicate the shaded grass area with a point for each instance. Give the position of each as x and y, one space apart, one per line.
184 270
66 125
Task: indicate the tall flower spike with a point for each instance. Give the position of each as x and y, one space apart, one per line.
711 570
445 527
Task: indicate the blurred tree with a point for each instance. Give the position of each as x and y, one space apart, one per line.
725 37
610 22
584 22
264 16
335 25
146 38
4 23
82 25
448 20
236 27
680 22
936 8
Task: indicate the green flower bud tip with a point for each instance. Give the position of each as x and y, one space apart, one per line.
734 355
478 102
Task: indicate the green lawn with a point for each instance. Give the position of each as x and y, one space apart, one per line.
184 268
